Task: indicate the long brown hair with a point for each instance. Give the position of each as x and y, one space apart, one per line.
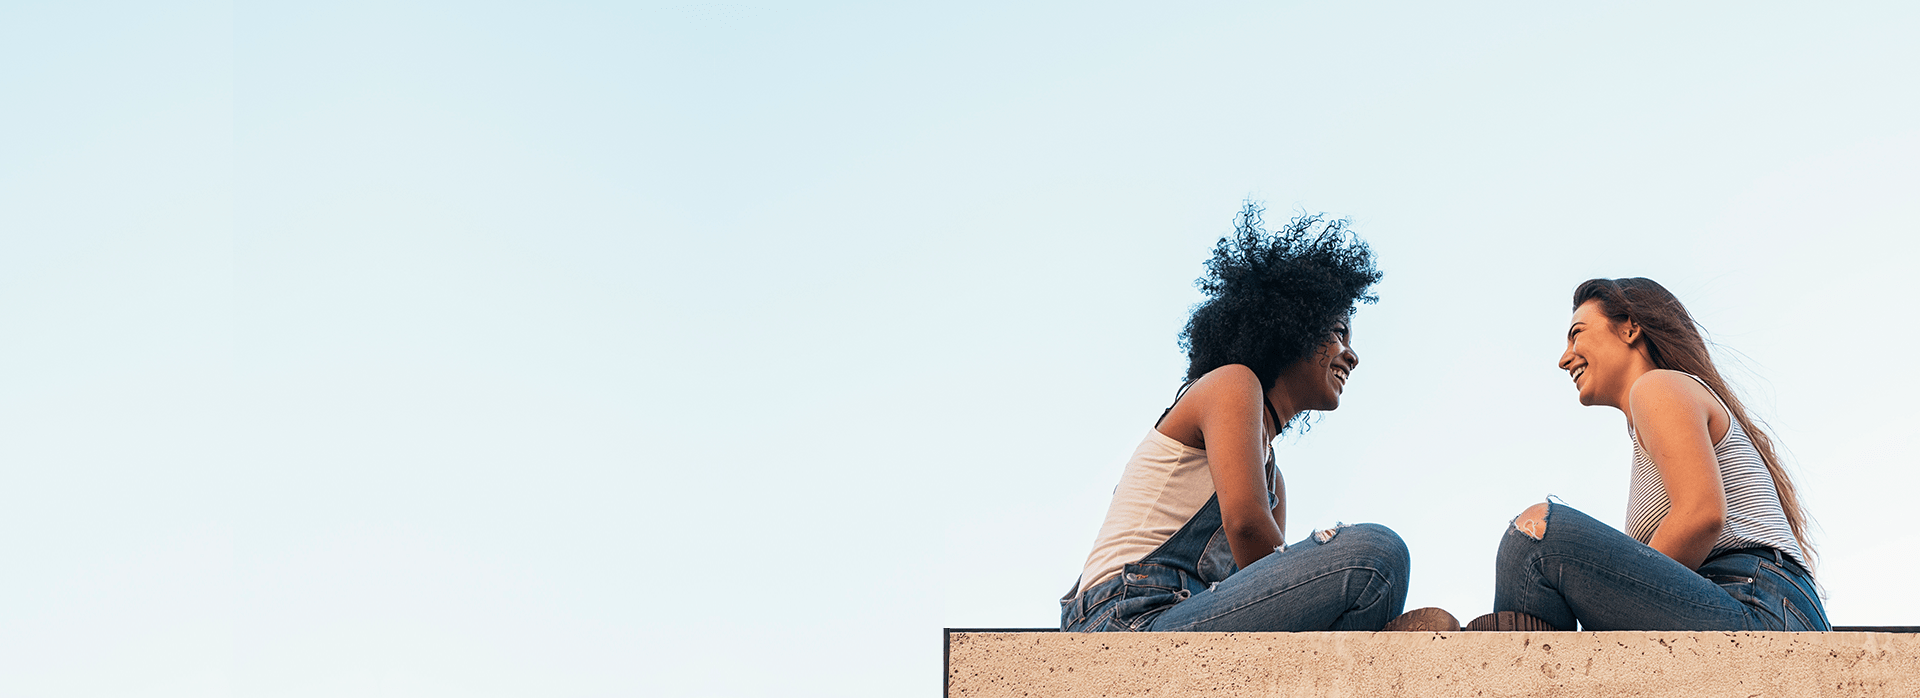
1674 343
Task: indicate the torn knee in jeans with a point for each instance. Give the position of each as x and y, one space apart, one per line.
1533 521
1327 534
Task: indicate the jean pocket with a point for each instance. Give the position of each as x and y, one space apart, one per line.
1737 586
1798 605
1795 621
1071 613
1799 581
1084 611
1147 578
1147 590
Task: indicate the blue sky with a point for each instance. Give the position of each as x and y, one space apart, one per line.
417 348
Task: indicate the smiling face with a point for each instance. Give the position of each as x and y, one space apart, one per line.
1602 356
1316 382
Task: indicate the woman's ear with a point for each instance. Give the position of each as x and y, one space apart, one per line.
1629 332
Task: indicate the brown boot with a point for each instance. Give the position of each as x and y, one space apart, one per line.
1423 620
1510 621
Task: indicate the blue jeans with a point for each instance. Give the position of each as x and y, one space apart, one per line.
1585 571
1355 580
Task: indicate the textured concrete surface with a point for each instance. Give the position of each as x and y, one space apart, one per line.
1230 665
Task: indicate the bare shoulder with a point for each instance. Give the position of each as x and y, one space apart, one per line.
1232 386
1236 378
1230 389
1670 389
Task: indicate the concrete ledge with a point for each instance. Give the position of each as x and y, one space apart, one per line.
1229 665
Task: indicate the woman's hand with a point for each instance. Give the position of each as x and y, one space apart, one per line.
1675 418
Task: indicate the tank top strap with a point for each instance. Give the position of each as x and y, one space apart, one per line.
1264 401
1176 400
1710 391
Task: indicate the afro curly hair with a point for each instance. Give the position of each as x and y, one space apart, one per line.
1273 298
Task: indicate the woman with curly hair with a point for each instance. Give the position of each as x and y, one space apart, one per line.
1715 538
1193 539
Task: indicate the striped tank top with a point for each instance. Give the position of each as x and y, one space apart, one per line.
1754 515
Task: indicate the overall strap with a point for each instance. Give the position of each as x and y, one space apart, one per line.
1182 549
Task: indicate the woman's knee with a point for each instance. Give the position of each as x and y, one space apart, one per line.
1379 540
1375 534
1533 521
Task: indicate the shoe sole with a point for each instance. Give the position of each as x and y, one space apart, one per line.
1423 620
1510 622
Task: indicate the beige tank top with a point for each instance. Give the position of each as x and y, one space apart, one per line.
1164 485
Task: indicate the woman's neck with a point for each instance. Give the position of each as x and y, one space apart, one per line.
1641 365
1283 407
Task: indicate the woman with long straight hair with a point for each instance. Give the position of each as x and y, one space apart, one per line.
1194 538
1715 536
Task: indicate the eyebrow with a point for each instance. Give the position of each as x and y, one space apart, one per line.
1572 327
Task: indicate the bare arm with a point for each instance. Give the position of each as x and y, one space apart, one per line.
1233 425
1280 503
1671 414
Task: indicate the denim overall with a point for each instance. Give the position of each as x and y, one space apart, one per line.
1195 558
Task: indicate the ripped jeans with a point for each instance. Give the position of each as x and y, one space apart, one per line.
1346 578
1585 571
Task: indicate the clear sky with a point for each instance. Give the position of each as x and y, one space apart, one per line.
413 349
